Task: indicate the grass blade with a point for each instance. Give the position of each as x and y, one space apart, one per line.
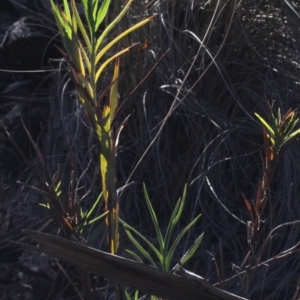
267 126
173 221
67 11
112 25
140 248
153 248
102 12
154 220
97 218
118 38
136 257
85 58
82 29
177 240
104 65
94 205
191 251
113 95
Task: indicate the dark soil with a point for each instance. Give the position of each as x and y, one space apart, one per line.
27 44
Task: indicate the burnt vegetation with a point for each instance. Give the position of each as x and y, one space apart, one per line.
224 61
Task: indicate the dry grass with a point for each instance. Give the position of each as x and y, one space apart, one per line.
203 110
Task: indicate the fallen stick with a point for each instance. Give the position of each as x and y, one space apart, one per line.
129 273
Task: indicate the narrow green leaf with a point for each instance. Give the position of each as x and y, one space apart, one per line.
118 38
95 10
78 59
58 186
177 240
63 26
45 205
181 206
290 127
82 81
171 226
97 218
127 295
85 4
78 75
153 248
272 141
191 251
274 120
105 149
104 65
291 136
67 11
74 21
174 220
136 295
59 23
113 95
88 10
134 255
95 204
140 248
279 115
82 29
85 58
102 12
267 126
112 25
154 220
85 8
56 12
82 213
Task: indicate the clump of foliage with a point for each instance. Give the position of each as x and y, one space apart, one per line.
85 60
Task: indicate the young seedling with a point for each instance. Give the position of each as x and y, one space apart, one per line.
165 251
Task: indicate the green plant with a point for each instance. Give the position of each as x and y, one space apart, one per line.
165 251
84 218
278 134
280 130
86 57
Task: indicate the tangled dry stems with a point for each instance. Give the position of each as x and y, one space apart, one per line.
211 139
